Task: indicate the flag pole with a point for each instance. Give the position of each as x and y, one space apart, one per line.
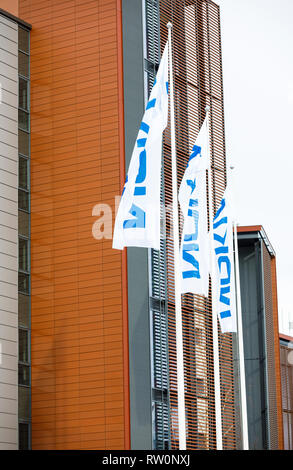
217 384
178 314
245 441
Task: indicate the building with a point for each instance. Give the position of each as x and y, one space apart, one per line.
96 342
14 233
286 354
257 264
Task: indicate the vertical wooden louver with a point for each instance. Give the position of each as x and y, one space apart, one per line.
287 394
198 82
274 421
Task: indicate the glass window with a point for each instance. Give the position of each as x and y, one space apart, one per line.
24 310
23 283
23 251
23 436
23 223
23 142
23 64
23 120
23 200
23 94
23 172
24 403
23 374
23 351
23 40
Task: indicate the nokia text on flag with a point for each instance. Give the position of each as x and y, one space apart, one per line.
194 251
138 217
224 272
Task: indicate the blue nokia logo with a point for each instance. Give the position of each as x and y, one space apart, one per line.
223 259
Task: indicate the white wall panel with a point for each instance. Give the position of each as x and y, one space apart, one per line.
7 22
8 124
8 165
11 113
8 234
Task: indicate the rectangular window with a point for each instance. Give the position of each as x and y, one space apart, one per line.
23 283
23 374
23 172
23 200
23 120
23 351
23 64
23 94
23 250
23 436
23 40
23 142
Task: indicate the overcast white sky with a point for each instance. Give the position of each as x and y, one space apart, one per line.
257 43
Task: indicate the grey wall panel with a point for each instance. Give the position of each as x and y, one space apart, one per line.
7 97
8 192
9 165
7 406
8 23
9 58
10 348
7 84
9 319
11 113
8 124
137 258
10 220
8 206
8 262
8 234
8 44
7 30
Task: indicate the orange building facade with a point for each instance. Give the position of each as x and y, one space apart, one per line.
79 352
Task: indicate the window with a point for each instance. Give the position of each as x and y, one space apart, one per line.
23 249
23 120
24 371
23 353
23 436
23 200
23 64
23 172
23 94
23 374
23 283
23 142
23 40
23 357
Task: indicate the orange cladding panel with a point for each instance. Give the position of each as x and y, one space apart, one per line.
79 349
11 6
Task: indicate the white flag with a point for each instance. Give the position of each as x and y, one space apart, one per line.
138 217
195 248
224 281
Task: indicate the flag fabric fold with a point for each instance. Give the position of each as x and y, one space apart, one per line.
138 218
195 246
224 269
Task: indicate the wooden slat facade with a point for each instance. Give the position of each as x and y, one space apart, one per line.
78 314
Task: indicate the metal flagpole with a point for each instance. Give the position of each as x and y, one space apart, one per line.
243 405
245 441
214 303
179 337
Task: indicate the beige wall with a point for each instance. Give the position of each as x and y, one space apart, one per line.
8 233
